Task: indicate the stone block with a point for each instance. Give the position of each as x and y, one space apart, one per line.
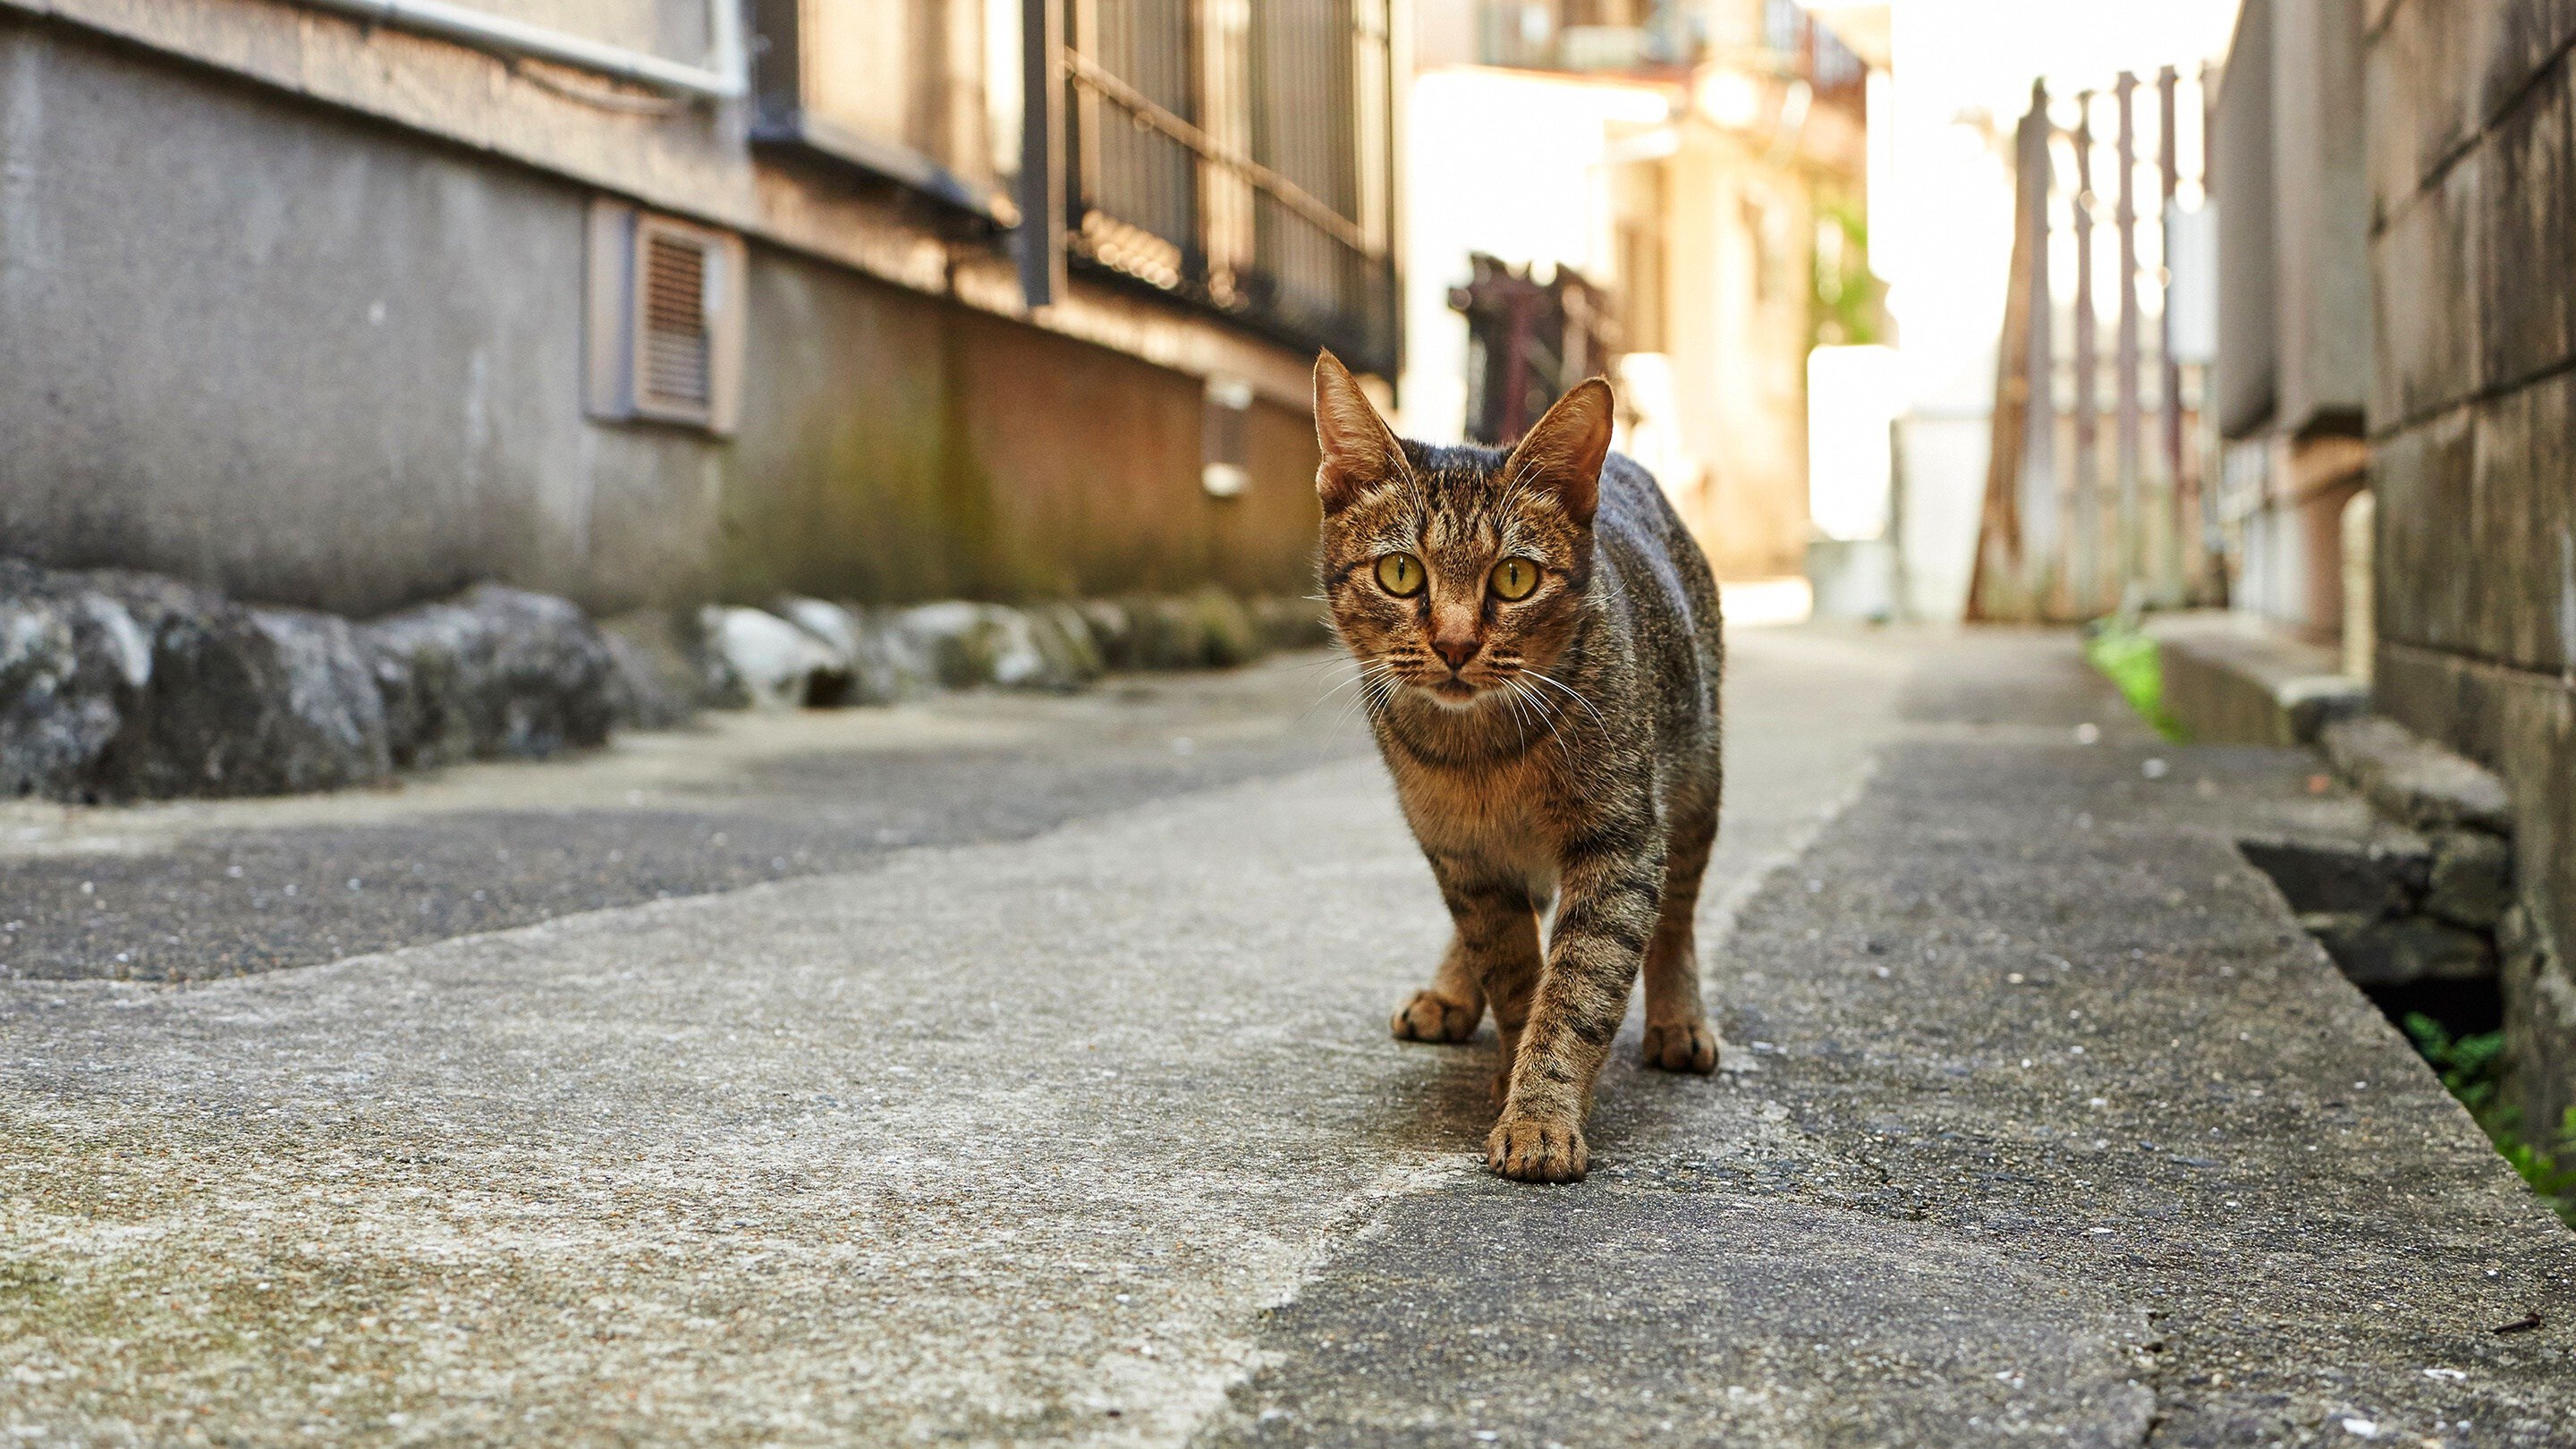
1232 636
1113 631
2536 724
2528 310
493 673
2425 299
2411 778
2407 952
242 701
766 662
2427 691
2423 78
657 668
2539 1028
879 664
2523 724
902 665
1064 634
2389 98
2425 480
1026 654
2368 880
71 661
2471 882
1291 623
951 635
2522 527
970 644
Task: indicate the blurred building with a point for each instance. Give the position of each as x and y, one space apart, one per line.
2294 314
1683 184
344 302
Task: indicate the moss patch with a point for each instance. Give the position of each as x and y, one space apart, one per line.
2129 659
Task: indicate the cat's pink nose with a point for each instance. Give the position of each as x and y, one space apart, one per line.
1456 651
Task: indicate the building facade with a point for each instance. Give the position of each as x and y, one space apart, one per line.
1699 167
653 301
2294 305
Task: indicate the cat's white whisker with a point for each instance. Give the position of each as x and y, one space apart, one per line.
1543 677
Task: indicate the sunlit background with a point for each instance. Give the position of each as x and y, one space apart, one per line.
1803 222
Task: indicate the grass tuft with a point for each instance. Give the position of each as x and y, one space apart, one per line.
2128 658
2471 1067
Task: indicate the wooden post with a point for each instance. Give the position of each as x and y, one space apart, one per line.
2125 381
2086 484
2001 579
2183 533
2043 513
2015 530
2210 584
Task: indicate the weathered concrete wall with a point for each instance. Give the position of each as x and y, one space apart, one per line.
303 357
301 360
2473 424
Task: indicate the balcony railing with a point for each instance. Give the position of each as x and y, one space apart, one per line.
1776 37
1238 153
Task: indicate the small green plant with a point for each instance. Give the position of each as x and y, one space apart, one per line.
2471 1068
2128 658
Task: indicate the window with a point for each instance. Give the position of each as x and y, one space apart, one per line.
665 319
921 92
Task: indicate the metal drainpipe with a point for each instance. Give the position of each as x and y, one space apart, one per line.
721 79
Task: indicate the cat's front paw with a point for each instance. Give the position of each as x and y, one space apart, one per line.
1537 1149
1429 1016
1682 1046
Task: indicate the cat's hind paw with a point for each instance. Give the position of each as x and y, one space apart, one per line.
1534 1149
1430 1016
1681 1046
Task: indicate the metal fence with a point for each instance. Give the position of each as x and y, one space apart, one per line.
1239 152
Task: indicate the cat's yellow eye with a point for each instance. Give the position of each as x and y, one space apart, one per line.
1513 578
1400 574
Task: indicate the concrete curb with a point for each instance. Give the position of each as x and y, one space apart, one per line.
2230 680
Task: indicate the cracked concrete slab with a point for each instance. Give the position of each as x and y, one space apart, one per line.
2041 1120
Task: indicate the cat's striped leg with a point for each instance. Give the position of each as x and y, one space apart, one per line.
1490 922
1606 913
1450 1007
1678 1035
1511 981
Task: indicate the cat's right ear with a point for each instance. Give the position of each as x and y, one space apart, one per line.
1360 450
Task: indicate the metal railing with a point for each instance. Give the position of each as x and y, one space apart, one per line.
1239 153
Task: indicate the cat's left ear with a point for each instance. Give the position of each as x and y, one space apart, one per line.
1564 453
1360 450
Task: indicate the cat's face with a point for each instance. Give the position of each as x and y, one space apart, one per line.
1455 572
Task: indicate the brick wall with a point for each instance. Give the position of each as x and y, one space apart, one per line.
2472 418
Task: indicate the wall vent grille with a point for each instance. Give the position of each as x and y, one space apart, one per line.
664 320
675 371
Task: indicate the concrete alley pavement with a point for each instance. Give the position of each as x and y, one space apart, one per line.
1016 1071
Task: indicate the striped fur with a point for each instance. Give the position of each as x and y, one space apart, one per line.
1571 760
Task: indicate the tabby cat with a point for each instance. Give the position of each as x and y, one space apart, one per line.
1539 653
